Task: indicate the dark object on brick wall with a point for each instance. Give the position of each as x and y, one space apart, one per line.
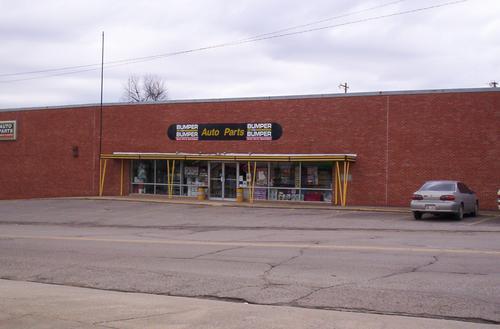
75 151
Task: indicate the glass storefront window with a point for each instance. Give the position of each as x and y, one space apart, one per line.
261 179
316 175
195 174
316 181
143 176
151 177
161 171
143 171
285 174
287 181
162 177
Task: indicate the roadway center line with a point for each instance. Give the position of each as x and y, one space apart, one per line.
259 244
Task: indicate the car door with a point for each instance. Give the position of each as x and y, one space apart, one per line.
473 198
467 196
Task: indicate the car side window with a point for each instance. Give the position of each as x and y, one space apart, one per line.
464 189
467 189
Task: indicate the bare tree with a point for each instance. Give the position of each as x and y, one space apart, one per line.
149 88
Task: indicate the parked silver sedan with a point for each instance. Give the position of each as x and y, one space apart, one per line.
444 196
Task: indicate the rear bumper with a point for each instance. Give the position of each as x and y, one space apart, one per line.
435 206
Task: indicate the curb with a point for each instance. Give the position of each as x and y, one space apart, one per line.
246 205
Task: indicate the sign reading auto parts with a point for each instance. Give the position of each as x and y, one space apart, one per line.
7 130
225 131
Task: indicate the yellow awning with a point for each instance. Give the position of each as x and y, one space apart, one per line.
231 156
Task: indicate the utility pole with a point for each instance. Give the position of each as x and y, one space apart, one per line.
344 86
100 120
493 84
102 85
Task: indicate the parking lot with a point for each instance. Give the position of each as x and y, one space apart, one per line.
344 260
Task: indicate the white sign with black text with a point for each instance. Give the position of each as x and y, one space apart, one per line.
7 130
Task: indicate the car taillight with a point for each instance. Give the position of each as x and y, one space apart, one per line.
447 197
417 197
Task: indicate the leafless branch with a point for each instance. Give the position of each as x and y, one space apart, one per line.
150 88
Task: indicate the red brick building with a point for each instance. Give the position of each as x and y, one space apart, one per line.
358 149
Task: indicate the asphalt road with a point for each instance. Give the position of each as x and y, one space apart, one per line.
385 263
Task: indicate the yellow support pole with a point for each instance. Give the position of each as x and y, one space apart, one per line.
346 176
340 185
100 176
121 179
101 191
249 183
344 184
168 178
334 176
253 179
172 179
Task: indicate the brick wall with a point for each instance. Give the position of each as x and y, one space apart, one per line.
445 136
401 141
40 163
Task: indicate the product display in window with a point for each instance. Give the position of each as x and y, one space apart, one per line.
283 181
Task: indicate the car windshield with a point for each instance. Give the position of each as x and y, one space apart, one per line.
438 186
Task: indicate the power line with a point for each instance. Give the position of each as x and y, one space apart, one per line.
323 20
261 37
362 20
64 68
246 39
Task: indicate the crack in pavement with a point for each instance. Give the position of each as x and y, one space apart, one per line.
458 273
265 275
227 291
296 302
216 252
414 269
313 291
212 259
140 317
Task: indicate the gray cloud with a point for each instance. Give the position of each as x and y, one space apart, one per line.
448 47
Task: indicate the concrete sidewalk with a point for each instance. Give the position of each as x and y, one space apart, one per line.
259 204
36 305
256 204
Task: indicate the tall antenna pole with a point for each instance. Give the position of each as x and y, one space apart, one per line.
102 85
344 86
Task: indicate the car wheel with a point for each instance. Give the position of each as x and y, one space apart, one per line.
460 214
417 215
476 210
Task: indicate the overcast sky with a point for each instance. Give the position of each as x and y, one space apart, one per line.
453 46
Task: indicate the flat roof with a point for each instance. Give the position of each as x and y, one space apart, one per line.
265 98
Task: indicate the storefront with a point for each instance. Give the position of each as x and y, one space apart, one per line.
258 177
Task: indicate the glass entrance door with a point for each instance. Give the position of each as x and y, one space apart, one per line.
230 177
223 178
216 178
